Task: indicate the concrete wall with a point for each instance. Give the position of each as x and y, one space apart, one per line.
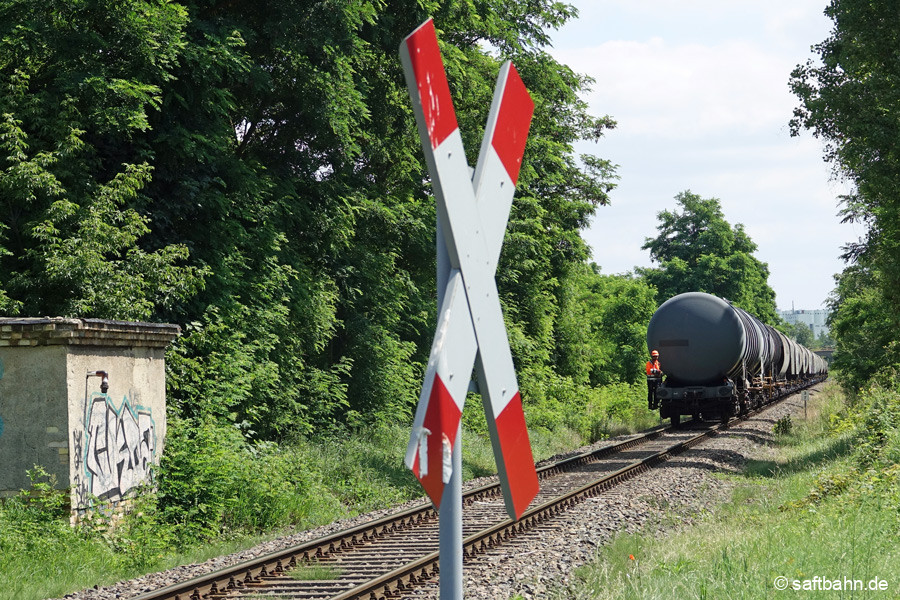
33 413
52 413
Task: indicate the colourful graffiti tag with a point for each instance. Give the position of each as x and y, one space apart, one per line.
119 446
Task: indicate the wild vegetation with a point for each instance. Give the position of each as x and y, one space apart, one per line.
849 100
254 174
307 296
826 505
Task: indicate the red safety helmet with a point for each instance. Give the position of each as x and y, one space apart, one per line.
654 354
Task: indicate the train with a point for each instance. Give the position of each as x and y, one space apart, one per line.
720 361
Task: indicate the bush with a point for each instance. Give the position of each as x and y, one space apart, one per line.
32 513
878 439
232 485
783 426
553 402
871 419
235 486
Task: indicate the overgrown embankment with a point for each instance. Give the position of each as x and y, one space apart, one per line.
820 515
218 493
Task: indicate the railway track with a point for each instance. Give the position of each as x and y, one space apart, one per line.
386 557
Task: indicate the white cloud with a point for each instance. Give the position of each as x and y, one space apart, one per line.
700 92
691 90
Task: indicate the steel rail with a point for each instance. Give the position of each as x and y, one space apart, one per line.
220 582
403 578
247 574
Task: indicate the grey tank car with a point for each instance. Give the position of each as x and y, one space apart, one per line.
719 360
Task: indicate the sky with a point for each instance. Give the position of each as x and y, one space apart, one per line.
699 90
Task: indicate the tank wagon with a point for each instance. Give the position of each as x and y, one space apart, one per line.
719 360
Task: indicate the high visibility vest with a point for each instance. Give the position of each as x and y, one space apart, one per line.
651 365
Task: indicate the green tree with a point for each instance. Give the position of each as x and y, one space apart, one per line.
824 340
602 331
330 171
863 325
801 333
699 251
78 82
851 102
254 173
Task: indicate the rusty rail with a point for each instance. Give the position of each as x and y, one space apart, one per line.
252 575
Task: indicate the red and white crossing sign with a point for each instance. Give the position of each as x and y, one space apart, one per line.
473 211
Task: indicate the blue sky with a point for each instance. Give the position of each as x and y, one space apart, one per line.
699 89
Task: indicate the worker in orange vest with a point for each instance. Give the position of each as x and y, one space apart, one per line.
654 377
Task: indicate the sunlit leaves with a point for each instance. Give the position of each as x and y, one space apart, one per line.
851 101
699 251
253 171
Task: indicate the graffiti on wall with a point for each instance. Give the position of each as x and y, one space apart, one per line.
114 453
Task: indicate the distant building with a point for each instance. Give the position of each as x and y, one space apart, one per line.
814 319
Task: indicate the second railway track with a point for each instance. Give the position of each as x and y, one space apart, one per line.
389 556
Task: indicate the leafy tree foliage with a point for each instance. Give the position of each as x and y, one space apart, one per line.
699 251
824 340
78 83
801 333
864 327
603 327
253 172
850 100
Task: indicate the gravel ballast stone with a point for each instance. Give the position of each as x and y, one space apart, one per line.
537 562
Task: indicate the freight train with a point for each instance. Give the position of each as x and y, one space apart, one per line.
720 361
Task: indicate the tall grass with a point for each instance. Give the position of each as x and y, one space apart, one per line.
807 512
218 493
741 552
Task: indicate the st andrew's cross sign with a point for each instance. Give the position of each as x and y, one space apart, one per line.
472 212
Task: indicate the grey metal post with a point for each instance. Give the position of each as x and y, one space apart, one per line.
804 395
450 513
451 536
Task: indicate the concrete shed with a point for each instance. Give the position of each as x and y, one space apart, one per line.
86 400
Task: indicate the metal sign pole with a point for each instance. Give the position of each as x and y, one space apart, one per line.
805 396
451 535
450 511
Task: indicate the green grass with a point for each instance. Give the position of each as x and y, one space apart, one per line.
805 512
740 552
46 558
41 556
232 495
314 571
